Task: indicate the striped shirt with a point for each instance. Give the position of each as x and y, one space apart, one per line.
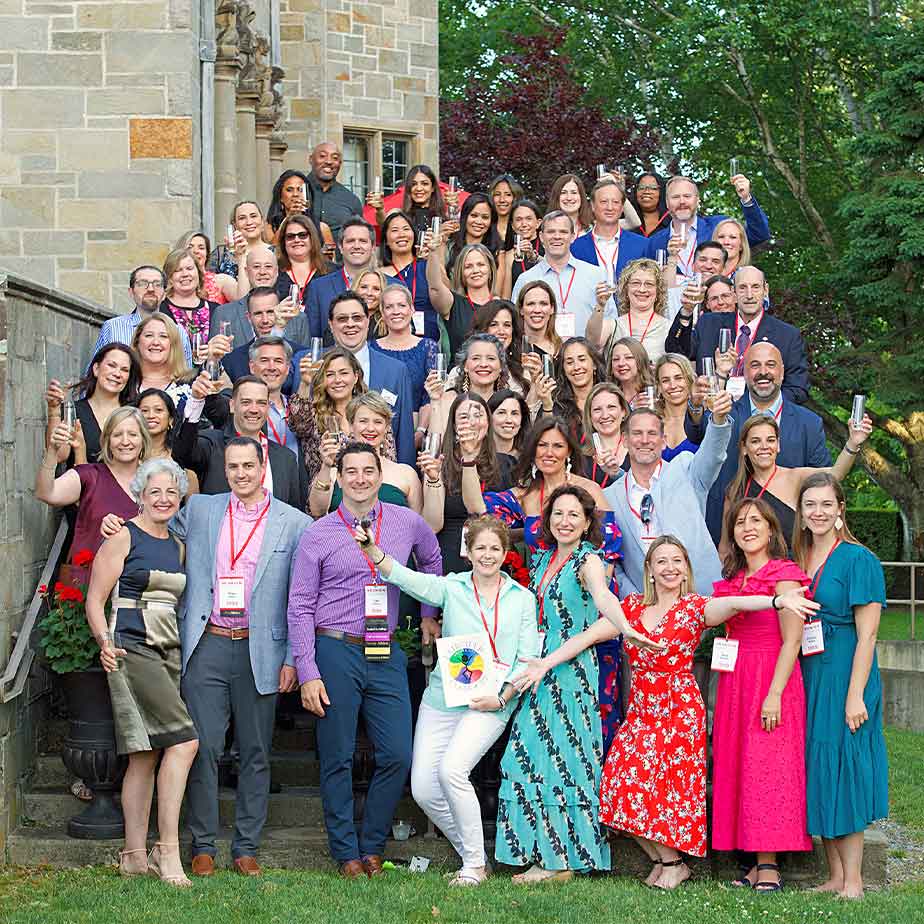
121 329
329 574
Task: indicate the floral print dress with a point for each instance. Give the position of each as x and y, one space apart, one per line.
654 781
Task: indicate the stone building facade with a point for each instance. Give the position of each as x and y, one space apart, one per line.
127 122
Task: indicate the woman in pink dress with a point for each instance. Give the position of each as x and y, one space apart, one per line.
759 726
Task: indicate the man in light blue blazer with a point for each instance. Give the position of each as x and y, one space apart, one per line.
655 497
234 636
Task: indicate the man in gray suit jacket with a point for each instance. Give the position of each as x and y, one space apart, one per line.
234 634
656 497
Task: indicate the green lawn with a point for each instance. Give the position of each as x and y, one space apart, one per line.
895 625
406 898
906 779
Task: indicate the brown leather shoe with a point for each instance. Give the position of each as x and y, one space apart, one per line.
352 869
247 866
203 864
372 864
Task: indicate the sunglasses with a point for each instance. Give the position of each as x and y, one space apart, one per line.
646 509
297 236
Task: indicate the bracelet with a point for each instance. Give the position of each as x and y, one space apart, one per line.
773 602
502 701
103 638
384 556
49 468
321 485
693 408
849 451
470 464
420 430
434 484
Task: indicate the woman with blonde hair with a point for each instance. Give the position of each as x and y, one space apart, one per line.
370 284
680 404
731 234
184 298
218 288
163 363
247 222
641 300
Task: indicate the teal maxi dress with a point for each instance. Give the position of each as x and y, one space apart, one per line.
846 773
550 773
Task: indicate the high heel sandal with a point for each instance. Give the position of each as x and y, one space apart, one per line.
128 873
179 882
672 863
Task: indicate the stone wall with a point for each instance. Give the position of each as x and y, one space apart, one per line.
369 66
99 105
42 335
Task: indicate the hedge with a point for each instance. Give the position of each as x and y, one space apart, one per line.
881 532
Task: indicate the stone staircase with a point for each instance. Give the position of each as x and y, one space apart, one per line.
294 837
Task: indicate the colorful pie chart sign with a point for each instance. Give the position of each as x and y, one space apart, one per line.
466 666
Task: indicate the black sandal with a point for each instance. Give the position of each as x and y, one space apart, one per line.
766 887
679 862
742 882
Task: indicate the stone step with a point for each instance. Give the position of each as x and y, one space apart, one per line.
294 807
289 768
301 848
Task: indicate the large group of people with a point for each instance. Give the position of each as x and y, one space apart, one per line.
340 408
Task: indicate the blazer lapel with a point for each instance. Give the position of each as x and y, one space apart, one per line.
216 516
271 536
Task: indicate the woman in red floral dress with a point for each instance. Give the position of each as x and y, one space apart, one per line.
654 781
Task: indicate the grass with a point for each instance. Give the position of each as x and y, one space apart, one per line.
906 779
406 898
895 625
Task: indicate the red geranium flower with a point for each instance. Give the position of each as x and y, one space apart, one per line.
43 589
70 594
83 558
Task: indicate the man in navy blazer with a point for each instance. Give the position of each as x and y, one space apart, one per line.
348 317
357 244
683 202
751 319
605 242
802 435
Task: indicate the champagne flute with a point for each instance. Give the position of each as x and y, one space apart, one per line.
733 167
200 347
432 443
858 411
213 368
661 258
224 328
711 377
651 396
317 348
601 171
69 415
441 367
725 339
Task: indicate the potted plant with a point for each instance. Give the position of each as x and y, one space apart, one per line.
89 750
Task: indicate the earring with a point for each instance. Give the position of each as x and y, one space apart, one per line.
651 578
140 509
465 382
534 471
568 466
838 524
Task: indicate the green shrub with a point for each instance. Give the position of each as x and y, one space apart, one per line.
880 531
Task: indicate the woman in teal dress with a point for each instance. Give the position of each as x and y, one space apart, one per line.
550 772
846 765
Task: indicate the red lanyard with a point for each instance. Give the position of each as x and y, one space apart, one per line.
550 574
603 260
264 445
413 280
301 289
285 422
484 621
235 556
564 295
648 325
378 535
346 279
816 578
606 477
747 487
635 512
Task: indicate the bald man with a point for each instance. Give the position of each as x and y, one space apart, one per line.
331 201
750 324
802 435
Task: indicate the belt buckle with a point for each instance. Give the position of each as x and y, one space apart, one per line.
237 634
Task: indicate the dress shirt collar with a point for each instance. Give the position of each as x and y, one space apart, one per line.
753 324
770 411
362 357
250 514
351 517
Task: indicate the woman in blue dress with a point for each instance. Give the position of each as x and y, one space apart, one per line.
550 773
549 459
846 764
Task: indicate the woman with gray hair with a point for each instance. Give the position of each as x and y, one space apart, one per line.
141 567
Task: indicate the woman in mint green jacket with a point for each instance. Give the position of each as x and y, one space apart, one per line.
449 741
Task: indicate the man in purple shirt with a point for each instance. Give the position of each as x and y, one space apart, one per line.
339 670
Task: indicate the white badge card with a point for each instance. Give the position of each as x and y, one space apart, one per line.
541 644
565 324
376 600
735 386
724 654
389 397
813 640
646 542
231 594
467 668
418 322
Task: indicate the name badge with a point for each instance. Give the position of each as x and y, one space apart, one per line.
376 600
813 639
735 386
389 397
565 324
646 542
542 644
418 322
463 549
231 594
724 654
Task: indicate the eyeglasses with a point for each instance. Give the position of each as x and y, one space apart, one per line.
642 285
721 297
297 236
148 284
647 508
648 187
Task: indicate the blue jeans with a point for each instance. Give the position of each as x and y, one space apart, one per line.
377 689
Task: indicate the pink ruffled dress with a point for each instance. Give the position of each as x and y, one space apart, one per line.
758 789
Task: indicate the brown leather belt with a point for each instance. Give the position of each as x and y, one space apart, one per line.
342 636
233 634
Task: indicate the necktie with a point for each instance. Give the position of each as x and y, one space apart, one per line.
741 345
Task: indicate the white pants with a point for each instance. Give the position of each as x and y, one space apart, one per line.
447 746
